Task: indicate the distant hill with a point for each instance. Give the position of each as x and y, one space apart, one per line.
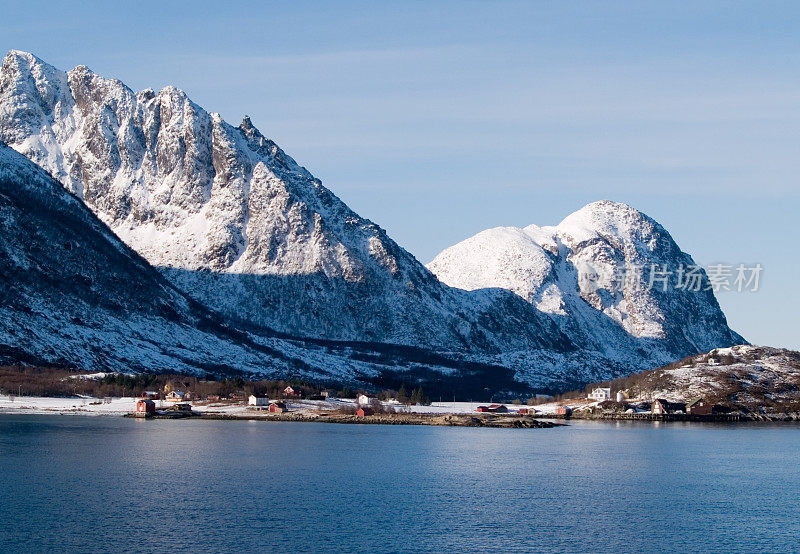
750 379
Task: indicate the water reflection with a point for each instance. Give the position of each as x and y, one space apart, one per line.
80 483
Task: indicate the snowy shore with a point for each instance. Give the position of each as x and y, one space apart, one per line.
121 406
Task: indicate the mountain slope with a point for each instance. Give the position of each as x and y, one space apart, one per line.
73 294
237 224
591 274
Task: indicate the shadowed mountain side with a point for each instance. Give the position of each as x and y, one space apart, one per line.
499 320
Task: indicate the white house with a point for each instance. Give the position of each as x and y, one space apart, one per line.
258 400
364 400
176 396
600 395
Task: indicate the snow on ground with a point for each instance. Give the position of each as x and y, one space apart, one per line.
75 404
120 406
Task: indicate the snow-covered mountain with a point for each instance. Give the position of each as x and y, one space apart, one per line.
592 274
237 224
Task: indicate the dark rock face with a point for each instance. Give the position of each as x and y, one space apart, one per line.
74 294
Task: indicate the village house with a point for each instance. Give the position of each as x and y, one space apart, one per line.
176 396
564 411
289 391
365 411
254 400
494 409
364 399
661 406
278 408
698 406
600 394
151 394
145 406
328 393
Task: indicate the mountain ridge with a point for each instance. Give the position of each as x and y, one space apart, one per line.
236 224
212 206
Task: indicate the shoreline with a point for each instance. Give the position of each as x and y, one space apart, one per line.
489 421
456 414
437 420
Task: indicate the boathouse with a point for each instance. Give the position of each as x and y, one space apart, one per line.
365 411
661 406
145 406
278 408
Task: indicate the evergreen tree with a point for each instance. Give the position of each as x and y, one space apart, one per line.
418 397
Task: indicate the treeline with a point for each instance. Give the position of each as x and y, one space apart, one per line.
20 380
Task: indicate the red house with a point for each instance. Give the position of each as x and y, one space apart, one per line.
289 391
564 410
278 408
661 406
145 406
494 408
522 411
365 411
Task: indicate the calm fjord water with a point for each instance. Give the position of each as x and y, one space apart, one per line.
113 484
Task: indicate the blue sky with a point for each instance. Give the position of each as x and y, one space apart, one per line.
440 119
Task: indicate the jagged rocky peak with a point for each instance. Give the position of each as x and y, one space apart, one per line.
73 294
177 183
